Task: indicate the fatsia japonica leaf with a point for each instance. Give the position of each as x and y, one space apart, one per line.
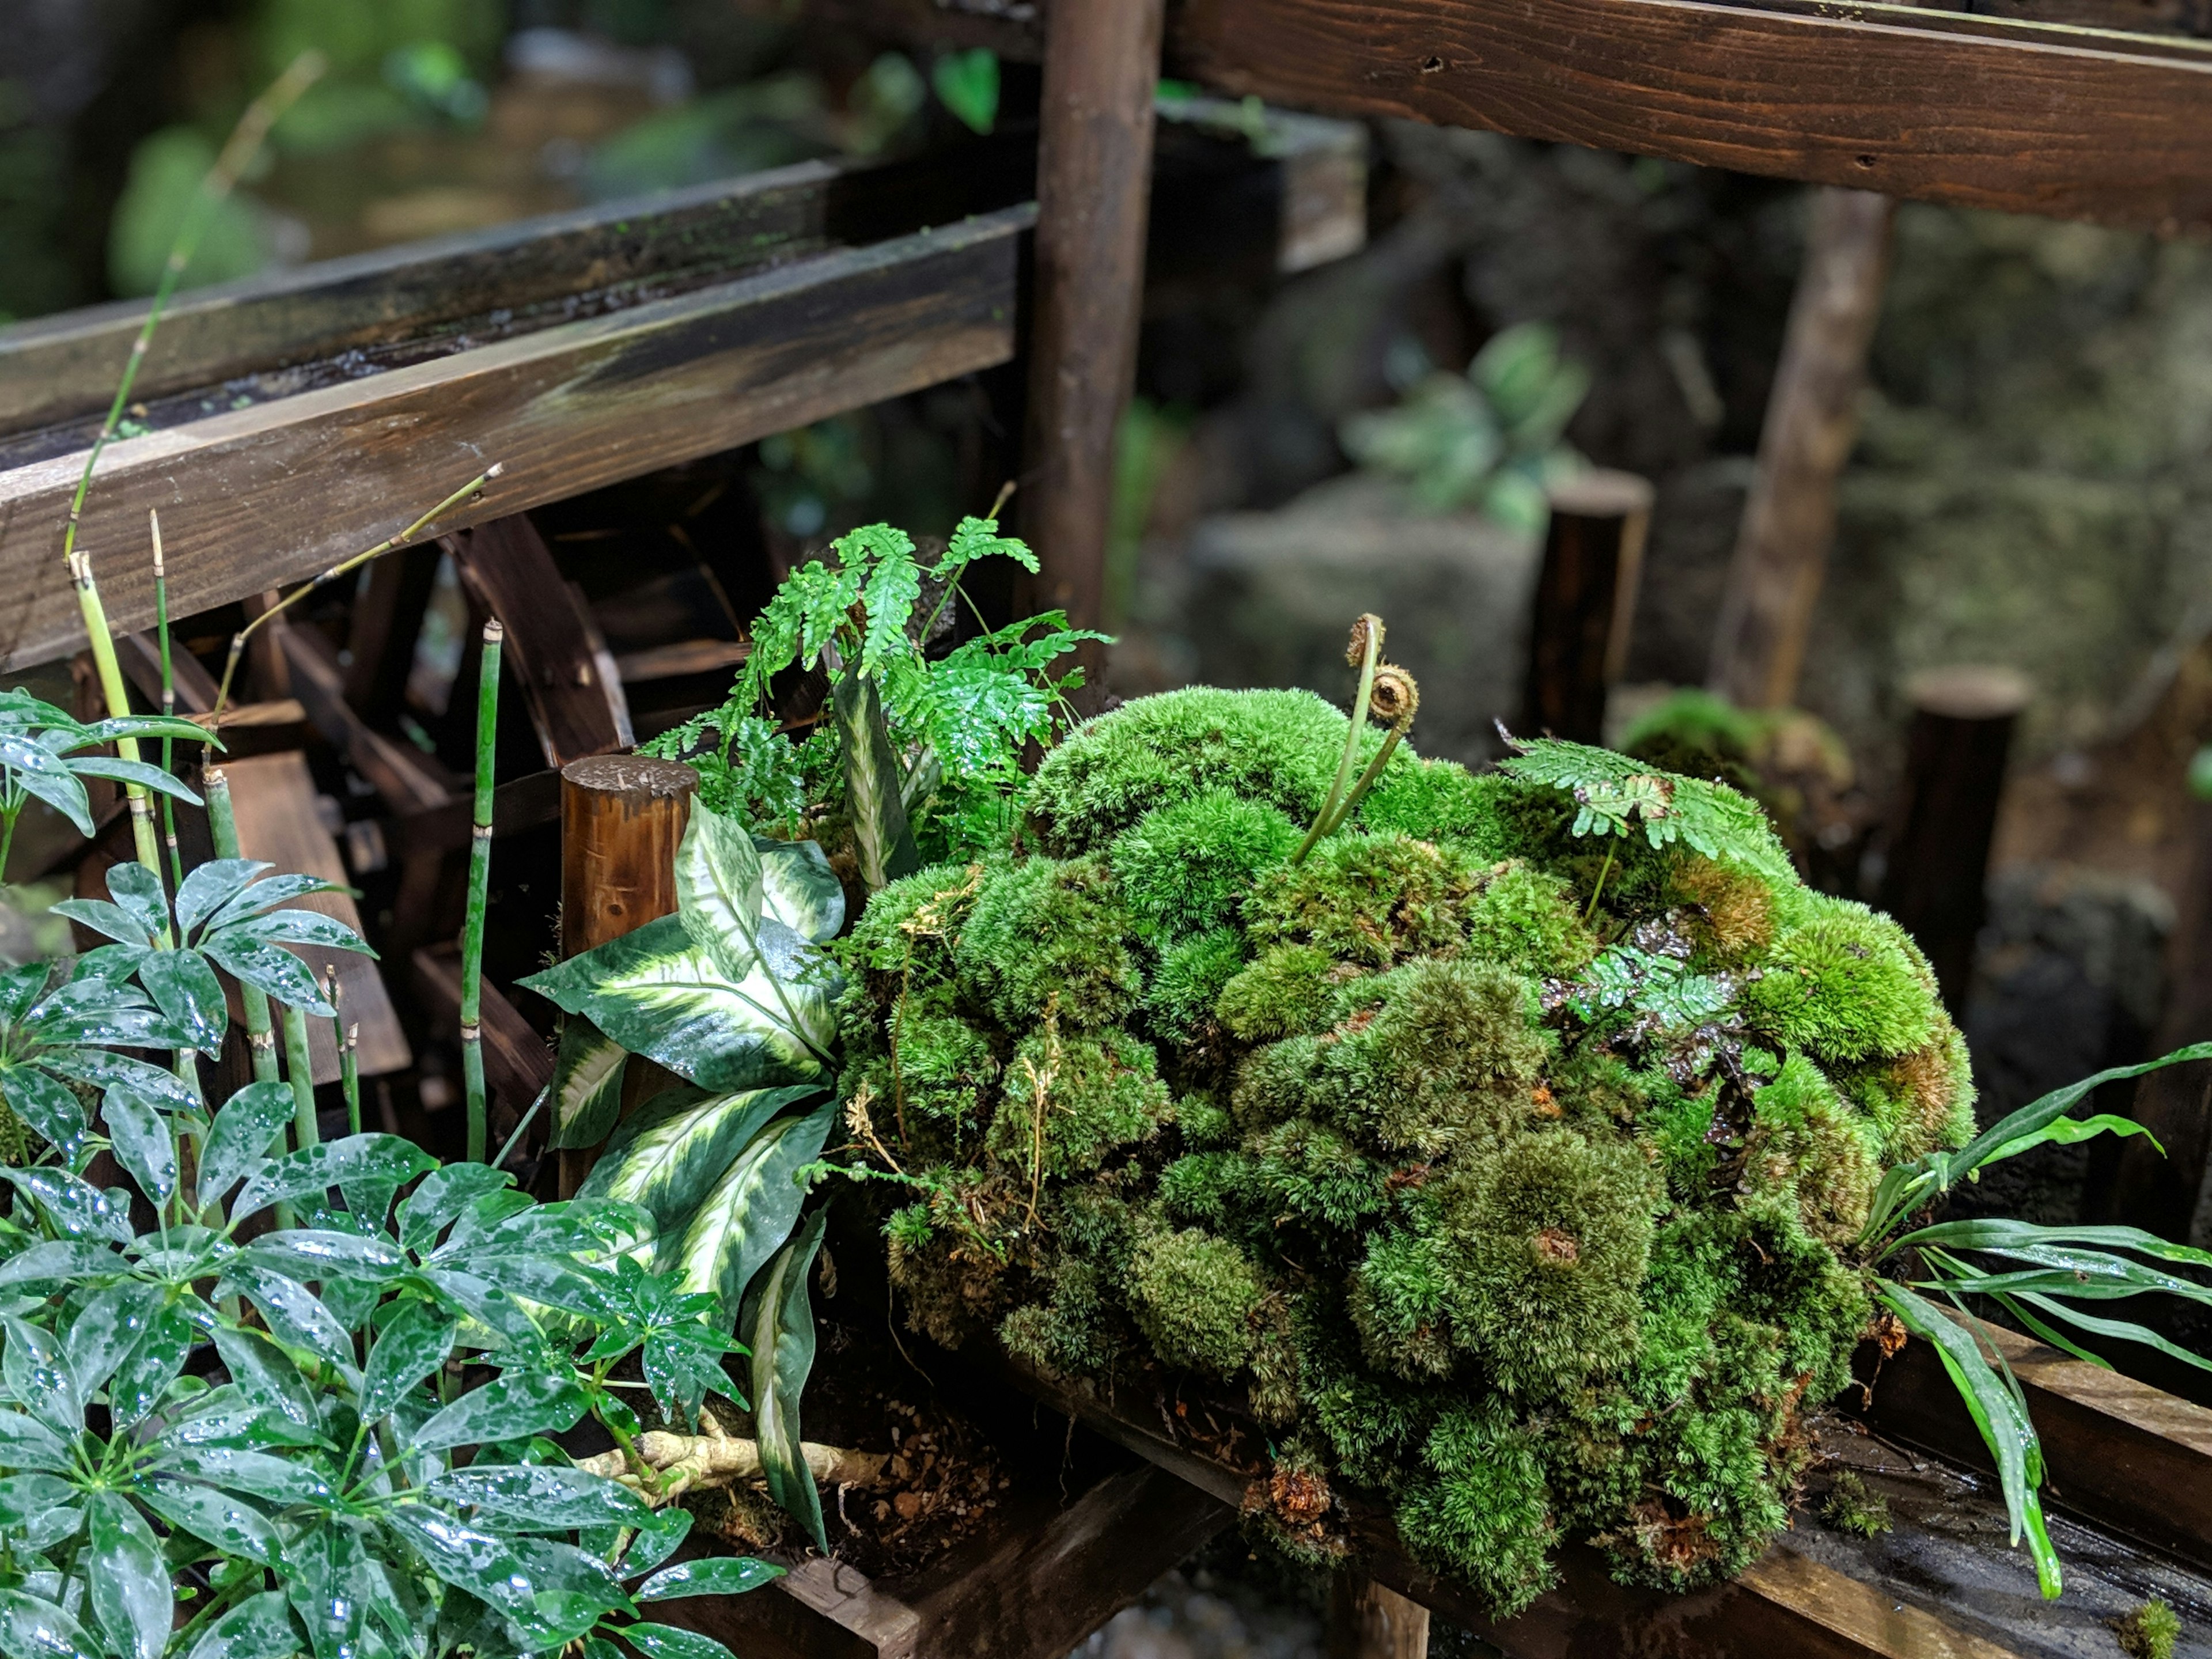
33 1628
407 1351
778 1325
660 994
72 1206
142 1143
587 1083
721 1575
259 1627
531 1497
315 1169
750 1210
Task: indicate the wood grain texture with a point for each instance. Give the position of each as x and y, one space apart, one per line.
2120 1452
274 799
491 284
1811 421
1978 119
283 490
1094 181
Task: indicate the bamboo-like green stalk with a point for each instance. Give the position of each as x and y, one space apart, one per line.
472 1073
300 1068
349 1040
223 831
117 699
352 562
168 696
246 139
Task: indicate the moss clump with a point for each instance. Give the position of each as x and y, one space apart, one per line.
1850 1507
1189 980
1047 934
2150 1632
1186 867
1289 990
1194 1296
1365 899
1846 984
1511 1174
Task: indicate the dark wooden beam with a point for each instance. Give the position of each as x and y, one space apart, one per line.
1094 179
1977 111
340 317
282 490
517 1062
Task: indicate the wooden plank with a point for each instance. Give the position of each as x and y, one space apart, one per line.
1785 1604
517 1062
552 646
2120 1452
669 662
1094 177
274 799
1811 421
139 655
408 780
488 285
283 490
1978 120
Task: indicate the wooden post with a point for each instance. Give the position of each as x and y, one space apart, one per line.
621 817
1939 854
1811 421
1585 602
1102 62
1368 1620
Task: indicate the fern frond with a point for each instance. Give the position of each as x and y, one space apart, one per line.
1614 793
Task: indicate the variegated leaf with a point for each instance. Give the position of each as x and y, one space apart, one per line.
588 1084
750 1210
881 834
670 1155
779 1328
799 889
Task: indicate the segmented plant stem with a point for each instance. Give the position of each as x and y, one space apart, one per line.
354 562
472 927
299 1065
348 1045
117 699
168 696
223 831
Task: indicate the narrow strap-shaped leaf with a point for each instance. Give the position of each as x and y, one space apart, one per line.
2016 1126
2120 1329
881 834
2000 1233
779 1328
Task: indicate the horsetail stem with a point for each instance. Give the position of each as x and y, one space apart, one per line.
223 829
168 696
117 698
472 1073
348 1037
299 1066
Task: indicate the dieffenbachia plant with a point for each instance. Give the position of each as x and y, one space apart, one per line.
733 995
2036 1274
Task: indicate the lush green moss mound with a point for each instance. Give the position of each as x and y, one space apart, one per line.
1503 1157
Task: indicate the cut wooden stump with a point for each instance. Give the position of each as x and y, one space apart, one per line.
1585 602
274 799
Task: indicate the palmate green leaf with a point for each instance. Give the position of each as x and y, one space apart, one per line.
271 969
103 1070
2037 1115
778 1325
475 1561
669 1156
407 1351
325 1570
37 1376
799 889
307 1253
212 885
1998 1414
668 1641
142 1143
291 1311
186 989
286 1480
33 1628
130 1583
266 1372
74 1208
55 1113
139 891
112 1323
441 1196
588 1084
39 774
25 1497
748 1212
26 1443
293 927
244 1130
660 995
259 1627
236 1528
721 1575
511 1407
108 921
145 1373
533 1498
354 1159
60 1259
139 772
881 835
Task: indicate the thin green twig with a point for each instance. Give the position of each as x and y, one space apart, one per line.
472 927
